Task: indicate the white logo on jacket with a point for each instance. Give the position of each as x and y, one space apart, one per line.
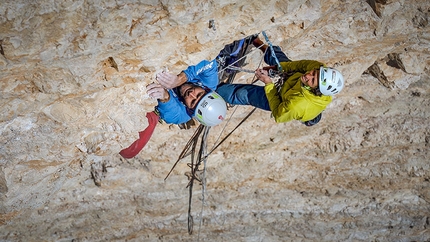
204 68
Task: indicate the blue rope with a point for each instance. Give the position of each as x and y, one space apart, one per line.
272 51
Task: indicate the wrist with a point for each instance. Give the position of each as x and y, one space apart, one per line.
165 99
182 78
267 80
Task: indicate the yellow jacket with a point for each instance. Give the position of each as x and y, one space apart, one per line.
294 101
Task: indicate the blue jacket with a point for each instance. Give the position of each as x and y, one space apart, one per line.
204 73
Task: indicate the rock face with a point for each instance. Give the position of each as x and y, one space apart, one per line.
73 77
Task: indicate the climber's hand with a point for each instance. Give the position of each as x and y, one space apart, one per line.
157 91
169 80
262 75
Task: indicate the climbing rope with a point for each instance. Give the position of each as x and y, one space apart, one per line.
190 144
202 155
194 169
272 51
203 178
186 151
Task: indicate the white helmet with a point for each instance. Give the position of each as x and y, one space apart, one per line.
211 109
331 81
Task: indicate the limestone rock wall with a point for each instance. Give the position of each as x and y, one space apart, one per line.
73 77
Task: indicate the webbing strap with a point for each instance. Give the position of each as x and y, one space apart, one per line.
272 51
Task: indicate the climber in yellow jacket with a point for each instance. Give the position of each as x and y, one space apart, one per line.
304 90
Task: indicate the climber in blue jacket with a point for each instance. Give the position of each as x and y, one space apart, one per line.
196 92
179 103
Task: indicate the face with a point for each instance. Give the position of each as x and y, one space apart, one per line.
191 94
311 78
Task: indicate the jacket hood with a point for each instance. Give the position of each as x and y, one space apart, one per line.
322 100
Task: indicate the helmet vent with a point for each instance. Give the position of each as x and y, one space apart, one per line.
329 87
